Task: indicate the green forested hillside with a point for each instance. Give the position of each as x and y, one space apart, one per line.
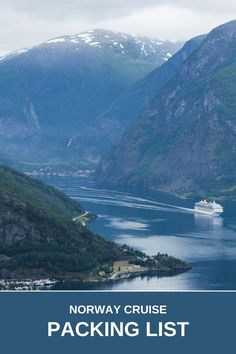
37 234
37 194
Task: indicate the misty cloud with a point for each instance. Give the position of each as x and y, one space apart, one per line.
27 22
103 9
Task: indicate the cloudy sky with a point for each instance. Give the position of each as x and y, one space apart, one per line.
28 22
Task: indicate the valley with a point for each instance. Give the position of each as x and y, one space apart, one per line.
45 239
138 130
152 222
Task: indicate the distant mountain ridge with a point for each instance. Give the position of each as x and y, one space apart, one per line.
50 93
185 141
155 50
127 108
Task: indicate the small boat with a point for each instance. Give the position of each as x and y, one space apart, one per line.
209 208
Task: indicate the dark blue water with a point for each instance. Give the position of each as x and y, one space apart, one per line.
158 222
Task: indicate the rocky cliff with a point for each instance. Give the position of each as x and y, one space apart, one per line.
111 125
14 224
185 141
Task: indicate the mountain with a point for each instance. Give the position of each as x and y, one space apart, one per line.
51 94
37 235
123 111
185 141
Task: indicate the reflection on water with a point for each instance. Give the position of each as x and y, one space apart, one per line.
157 222
126 283
207 222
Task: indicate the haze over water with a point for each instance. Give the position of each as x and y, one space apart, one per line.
158 222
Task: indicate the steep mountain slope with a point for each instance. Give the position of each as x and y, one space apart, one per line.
37 234
113 123
185 141
50 93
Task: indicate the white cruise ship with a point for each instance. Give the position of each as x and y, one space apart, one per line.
209 208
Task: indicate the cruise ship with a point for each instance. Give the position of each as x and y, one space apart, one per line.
209 208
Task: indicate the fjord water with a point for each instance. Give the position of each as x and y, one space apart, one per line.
158 222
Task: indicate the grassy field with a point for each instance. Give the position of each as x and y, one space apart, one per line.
125 266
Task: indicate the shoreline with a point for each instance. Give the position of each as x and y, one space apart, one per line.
40 284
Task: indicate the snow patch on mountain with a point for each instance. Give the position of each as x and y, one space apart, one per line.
95 44
17 52
99 39
56 40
